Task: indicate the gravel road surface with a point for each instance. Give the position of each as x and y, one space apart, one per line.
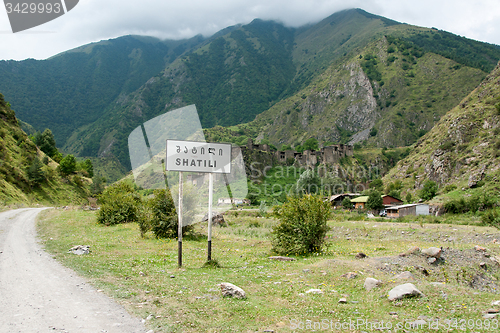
37 294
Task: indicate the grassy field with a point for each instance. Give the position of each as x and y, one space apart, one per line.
142 274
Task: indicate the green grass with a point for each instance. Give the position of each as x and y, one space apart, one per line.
137 272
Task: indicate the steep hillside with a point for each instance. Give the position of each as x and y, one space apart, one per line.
73 88
231 79
23 176
462 151
353 77
389 94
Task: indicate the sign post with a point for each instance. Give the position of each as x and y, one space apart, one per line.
203 157
210 198
179 229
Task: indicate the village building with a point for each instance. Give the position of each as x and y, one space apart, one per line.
360 202
410 209
388 201
336 200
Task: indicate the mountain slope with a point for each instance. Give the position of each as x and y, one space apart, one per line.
23 177
353 77
463 149
387 95
73 88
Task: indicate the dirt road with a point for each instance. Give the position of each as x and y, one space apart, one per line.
37 294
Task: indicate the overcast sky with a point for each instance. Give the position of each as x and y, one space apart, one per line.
94 20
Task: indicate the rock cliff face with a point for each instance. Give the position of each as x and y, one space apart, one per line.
463 149
343 102
388 94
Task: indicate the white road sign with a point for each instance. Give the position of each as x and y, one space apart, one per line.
192 156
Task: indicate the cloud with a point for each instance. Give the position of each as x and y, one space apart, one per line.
94 20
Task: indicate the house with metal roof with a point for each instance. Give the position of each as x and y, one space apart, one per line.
410 209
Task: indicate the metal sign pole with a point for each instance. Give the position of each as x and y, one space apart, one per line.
210 198
179 215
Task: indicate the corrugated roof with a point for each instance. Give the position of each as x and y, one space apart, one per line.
407 205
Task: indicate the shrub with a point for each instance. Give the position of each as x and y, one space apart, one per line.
472 204
492 218
164 220
119 204
302 227
68 164
429 190
346 203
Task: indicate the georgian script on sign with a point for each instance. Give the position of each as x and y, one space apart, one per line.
192 156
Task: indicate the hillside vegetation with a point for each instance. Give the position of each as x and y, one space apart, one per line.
462 152
24 178
353 77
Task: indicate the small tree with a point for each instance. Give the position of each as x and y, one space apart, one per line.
308 183
374 201
311 144
409 198
68 164
346 203
35 173
302 227
429 190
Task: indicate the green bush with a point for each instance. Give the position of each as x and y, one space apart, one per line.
68 165
346 203
119 204
492 218
472 204
164 221
429 190
302 227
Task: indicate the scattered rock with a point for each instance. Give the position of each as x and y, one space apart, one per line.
434 252
423 270
230 290
360 255
479 248
431 260
350 275
489 315
495 303
412 250
314 291
371 283
405 276
172 276
217 218
492 311
306 270
483 265
404 290
281 258
343 300
142 273
80 249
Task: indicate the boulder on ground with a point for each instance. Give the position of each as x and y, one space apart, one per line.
434 252
230 290
217 218
80 249
371 283
404 290
412 250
